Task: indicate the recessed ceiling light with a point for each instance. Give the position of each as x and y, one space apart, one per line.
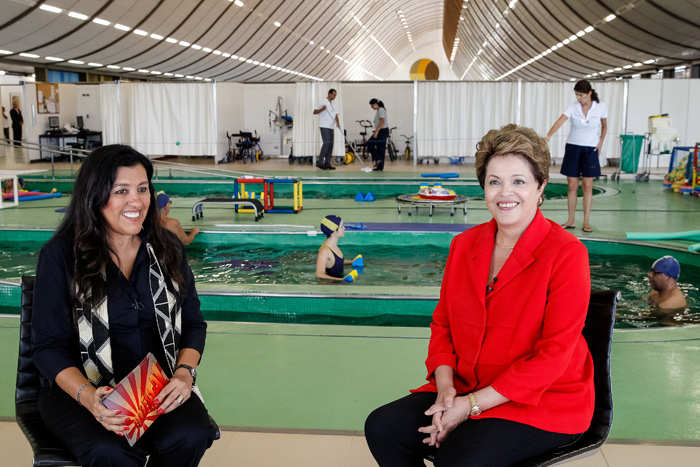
122 27
103 22
95 64
28 55
311 42
76 62
206 49
649 62
113 67
185 44
50 8
226 54
140 32
156 73
277 24
157 37
5 52
196 47
128 68
217 52
143 71
237 2
609 18
54 59
179 76
75 15
234 57
167 74
171 40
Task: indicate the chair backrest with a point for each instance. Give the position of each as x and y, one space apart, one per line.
598 333
28 384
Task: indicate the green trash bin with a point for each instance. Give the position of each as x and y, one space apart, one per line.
631 152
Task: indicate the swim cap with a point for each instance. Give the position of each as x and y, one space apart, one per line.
667 265
162 199
330 224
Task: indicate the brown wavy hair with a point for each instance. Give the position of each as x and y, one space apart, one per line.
514 139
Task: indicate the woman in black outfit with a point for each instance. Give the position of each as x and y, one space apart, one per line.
115 285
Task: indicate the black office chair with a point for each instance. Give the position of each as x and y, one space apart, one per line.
598 332
48 450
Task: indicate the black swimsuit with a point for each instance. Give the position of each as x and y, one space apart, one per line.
338 265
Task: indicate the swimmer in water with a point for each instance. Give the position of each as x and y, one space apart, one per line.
330 263
663 277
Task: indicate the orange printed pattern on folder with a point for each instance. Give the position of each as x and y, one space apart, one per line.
135 396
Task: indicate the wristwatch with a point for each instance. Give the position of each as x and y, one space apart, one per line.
475 410
192 371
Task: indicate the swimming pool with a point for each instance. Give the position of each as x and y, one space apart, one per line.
248 277
338 188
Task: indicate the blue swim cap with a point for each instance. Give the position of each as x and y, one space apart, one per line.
330 224
163 200
667 265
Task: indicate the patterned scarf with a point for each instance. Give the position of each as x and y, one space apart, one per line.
93 325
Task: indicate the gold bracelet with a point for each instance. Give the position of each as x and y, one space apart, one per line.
77 397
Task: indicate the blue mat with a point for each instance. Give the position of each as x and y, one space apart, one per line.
414 227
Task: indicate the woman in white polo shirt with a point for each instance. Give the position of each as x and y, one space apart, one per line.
589 124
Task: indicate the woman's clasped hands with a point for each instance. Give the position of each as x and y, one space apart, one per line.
448 412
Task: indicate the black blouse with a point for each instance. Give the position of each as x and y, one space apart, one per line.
133 330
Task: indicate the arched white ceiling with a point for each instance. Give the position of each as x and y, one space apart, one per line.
290 40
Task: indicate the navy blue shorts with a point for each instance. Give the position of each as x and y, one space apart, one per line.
580 161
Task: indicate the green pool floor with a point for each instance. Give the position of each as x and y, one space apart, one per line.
329 377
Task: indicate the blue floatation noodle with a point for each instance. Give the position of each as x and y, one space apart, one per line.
330 224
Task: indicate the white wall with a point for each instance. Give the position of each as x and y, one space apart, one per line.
230 113
679 98
260 99
434 52
87 105
397 98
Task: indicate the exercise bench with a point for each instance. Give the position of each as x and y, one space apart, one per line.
256 205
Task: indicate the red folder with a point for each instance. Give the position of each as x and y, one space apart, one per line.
135 397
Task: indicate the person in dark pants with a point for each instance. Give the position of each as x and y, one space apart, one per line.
377 143
509 372
5 125
17 122
328 121
120 288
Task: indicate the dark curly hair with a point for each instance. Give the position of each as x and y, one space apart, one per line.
85 225
514 139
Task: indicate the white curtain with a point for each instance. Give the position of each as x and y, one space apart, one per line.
544 103
173 118
110 109
306 136
453 116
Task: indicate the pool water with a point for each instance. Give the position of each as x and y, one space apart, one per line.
388 265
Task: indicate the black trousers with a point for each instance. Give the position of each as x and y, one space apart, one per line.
176 439
7 133
377 148
17 133
393 437
324 158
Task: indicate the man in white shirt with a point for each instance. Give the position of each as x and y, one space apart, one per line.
328 119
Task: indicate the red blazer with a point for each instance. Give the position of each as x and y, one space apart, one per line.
524 337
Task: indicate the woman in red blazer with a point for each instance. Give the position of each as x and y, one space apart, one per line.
509 373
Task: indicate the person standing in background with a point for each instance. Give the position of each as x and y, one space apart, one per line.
589 124
377 143
328 120
5 125
17 122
